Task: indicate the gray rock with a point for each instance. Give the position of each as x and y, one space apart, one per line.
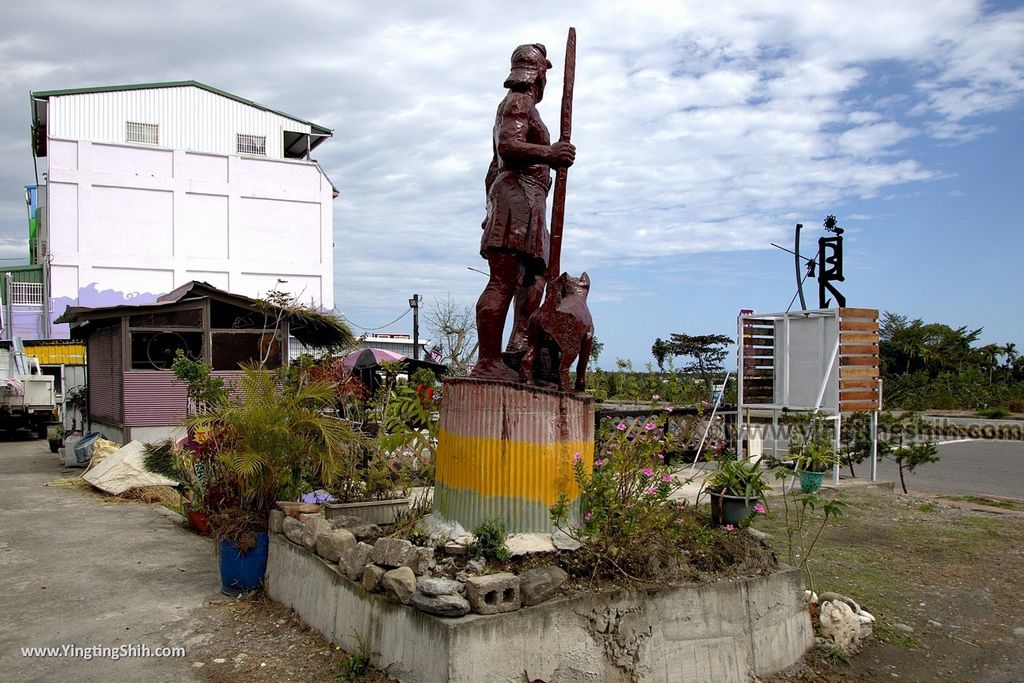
493 593
1019 632
345 521
839 624
528 544
836 597
903 628
331 544
360 528
274 523
540 584
936 624
437 528
292 529
420 560
393 552
372 577
455 548
401 583
758 534
434 586
441 605
564 541
355 560
476 566
312 528
304 517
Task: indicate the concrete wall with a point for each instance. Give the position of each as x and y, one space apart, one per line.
129 223
709 632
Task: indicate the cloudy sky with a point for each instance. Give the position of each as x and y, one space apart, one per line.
705 131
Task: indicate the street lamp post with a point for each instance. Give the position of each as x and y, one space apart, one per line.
414 304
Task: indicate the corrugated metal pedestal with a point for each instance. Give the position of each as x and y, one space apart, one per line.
507 450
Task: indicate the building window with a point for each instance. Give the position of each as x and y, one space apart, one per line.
26 294
252 144
142 133
157 350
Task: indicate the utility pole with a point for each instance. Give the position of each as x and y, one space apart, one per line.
414 304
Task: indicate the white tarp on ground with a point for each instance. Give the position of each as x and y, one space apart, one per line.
123 470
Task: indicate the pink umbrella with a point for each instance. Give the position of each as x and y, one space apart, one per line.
370 358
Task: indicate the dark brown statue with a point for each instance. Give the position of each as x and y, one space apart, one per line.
560 331
516 242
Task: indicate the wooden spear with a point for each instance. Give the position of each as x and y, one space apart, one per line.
562 174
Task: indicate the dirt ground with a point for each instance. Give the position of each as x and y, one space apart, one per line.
947 570
253 638
950 570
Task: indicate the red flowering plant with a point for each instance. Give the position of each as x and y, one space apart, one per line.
627 519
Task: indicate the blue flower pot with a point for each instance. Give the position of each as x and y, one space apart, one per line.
810 482
726 509
241 572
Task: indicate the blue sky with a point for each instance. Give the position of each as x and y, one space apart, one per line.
705 131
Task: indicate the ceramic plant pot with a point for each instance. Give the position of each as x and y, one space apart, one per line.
726 509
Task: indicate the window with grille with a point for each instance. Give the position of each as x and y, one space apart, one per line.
142 133
26 294
252 144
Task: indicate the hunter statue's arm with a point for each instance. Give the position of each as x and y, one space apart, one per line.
512 144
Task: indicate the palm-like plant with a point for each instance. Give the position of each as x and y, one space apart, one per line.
270 437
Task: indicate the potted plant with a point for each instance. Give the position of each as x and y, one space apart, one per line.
180 464
379 476
734 488
813 462
265 440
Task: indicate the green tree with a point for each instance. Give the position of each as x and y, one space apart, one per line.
705 351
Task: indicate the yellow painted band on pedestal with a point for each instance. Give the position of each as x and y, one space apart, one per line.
516 469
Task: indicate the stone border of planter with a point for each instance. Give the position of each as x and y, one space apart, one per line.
721 631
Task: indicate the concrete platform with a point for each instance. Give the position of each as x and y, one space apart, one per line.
724 631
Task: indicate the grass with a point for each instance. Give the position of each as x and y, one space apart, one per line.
887 634
890 554
990 502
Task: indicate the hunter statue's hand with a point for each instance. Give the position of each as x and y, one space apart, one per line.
563 154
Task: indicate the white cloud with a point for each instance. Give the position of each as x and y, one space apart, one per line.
702 127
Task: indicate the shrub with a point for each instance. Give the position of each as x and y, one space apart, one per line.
626 519
490 540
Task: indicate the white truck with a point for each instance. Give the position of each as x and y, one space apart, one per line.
27 397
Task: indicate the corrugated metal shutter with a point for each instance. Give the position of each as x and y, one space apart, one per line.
105 376
154 398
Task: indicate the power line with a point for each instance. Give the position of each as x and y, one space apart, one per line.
379 327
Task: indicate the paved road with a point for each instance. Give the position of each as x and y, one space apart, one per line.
966 468
75 570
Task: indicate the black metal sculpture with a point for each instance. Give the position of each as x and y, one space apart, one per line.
830 264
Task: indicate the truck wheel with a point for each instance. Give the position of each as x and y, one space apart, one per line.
40 431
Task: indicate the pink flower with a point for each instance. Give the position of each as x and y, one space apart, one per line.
599 462
680 521
647 472
667 479
681 506
587 516
650 425
655 398
621 426
652 490
608 452
759 508
576 457
729 527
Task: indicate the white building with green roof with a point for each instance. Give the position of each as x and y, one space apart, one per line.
143 188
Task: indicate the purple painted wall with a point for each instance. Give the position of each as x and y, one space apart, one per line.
93 297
